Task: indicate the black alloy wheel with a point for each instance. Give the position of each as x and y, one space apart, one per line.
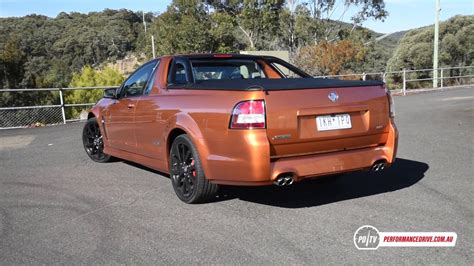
93 141
183 169
187 177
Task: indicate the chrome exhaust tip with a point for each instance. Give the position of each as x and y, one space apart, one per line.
379 166
280 182
284 180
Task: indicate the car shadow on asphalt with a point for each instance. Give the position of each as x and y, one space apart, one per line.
403 173
145 168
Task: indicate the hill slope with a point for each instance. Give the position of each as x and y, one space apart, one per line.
39 51
456 36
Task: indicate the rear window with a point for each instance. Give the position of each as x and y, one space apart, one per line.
226 69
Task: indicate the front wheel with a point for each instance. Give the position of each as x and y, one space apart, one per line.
187 175
93 142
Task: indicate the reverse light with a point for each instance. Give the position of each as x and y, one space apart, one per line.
390 103
248 115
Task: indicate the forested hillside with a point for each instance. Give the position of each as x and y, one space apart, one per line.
456 47
38 51
415 51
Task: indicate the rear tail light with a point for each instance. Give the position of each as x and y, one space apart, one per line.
390 103
248 115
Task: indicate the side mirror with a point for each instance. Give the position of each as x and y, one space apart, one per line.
110 93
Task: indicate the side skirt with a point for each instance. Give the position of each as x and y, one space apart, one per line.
139 159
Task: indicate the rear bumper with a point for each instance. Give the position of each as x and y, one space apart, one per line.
327 164
337 162
254 167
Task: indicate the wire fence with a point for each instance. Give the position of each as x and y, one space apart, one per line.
30 116
50 106
46 106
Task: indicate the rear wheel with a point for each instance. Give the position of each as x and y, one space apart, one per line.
93 142
187 175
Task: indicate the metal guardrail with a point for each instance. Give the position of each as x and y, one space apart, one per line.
56 112
53 108
405 80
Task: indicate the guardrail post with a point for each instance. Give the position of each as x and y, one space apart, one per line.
441 77
383 75
404 90
61 99
364 76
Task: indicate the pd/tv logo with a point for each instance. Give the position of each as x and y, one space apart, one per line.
368 237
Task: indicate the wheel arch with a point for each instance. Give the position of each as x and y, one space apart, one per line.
90 115
94 112
172 135
183 123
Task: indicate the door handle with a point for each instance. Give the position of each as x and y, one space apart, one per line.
130 105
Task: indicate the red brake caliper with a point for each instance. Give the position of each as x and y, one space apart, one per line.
194 171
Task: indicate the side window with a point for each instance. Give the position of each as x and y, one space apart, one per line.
224 69
135 84
179 74
149 86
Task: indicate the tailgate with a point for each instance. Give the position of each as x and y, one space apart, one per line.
292 115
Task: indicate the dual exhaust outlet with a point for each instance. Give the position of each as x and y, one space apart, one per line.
287 179
284 180
379 166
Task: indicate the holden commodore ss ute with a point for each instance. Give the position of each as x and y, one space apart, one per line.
225 119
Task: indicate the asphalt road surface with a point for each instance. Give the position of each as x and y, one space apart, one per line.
57 206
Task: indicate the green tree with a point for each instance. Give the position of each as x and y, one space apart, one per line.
89 77
257 20
323 10
183 28
297 28
13 59
223 33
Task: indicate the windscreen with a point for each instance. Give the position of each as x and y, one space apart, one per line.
226 69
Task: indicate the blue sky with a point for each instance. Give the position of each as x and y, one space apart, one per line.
404 14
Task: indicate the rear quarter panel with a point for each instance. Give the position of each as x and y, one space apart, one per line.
205 117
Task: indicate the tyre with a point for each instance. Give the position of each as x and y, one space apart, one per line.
187 175
93 142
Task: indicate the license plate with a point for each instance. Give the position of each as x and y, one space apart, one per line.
333 122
